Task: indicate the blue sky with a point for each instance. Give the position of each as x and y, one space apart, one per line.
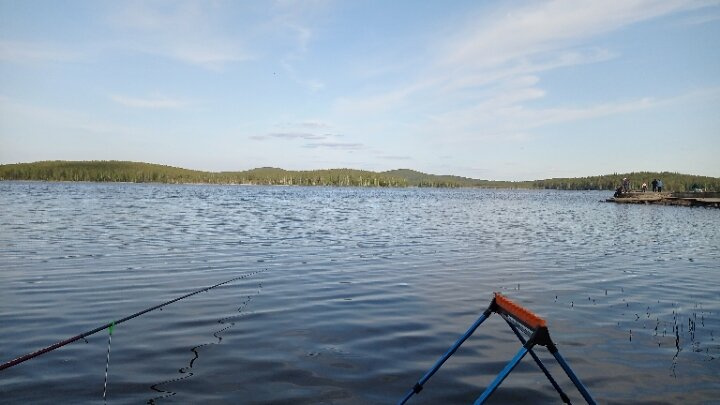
493 90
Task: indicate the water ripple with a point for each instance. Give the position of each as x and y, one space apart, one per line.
364 290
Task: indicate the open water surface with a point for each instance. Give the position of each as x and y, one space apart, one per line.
351 294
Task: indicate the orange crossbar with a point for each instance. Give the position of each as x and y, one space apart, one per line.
523 315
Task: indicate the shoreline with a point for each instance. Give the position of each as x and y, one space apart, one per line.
289 185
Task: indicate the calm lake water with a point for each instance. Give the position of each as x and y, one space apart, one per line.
352 294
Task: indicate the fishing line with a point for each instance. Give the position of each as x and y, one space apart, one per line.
187 371
83 335
107 363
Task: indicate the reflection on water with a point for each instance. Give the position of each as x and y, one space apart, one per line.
362 290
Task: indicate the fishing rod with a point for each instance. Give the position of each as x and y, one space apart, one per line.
83 335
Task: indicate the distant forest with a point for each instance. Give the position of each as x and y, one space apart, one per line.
135 172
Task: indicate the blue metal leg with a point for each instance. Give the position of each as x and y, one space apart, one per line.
443 359
503 374
540 364
578 384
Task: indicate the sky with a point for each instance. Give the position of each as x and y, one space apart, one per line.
511 90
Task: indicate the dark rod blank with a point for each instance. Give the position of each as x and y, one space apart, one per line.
83 335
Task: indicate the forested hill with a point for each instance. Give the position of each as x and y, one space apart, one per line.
117 171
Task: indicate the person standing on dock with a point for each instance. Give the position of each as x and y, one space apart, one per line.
626 185
659 186
644 187
654 184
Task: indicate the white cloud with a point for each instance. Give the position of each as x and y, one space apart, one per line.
483 78
546 27
154 102
526 66
509 120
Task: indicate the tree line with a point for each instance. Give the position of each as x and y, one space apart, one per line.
671 182
137 172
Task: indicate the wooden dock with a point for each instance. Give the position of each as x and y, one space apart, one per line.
686 199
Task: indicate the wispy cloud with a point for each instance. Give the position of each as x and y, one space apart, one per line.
154 102
304 125
483 76
292 18
63 119
530 66
394 157
335 145
289 135
187 31
383 101
309 129
26 51
542 28
314 124
311 84
509 120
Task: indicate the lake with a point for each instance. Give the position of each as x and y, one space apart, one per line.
351 294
